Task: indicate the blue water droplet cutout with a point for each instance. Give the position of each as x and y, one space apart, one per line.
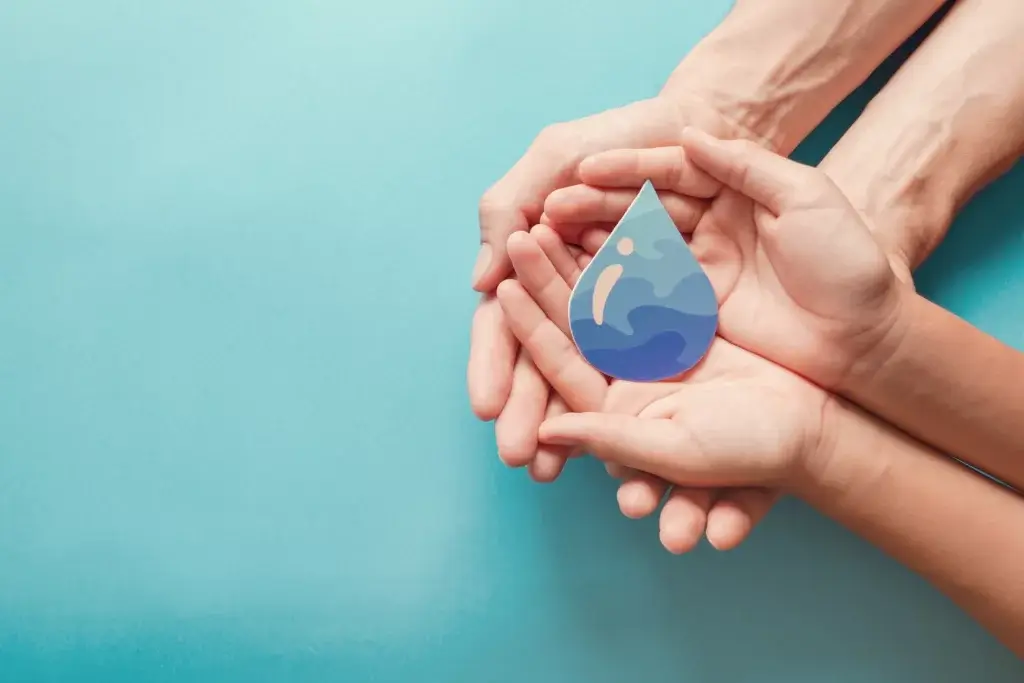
643 310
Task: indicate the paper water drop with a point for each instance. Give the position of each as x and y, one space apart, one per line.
643 310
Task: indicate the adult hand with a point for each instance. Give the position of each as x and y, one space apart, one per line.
799 278
537 309
502 381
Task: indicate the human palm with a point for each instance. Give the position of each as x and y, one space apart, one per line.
798 276
786 294
537 310
502 381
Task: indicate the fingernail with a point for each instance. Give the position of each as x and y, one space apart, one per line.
483 259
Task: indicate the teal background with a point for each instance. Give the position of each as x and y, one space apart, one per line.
235 443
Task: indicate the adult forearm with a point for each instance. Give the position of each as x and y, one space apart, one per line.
949 384
776 69
947 523
949 121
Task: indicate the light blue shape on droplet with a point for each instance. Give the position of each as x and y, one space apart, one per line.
661 314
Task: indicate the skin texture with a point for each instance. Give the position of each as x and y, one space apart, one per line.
799 60
944 126
740 420
952 385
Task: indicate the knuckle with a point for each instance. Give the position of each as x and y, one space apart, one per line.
618 399
677 164
815 187
491 203
552 135
745 147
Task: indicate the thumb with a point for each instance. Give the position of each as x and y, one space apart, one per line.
515 203
644 444
497 222
767 178
662 447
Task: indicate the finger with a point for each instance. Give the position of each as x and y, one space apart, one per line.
592 240
736 513
561 256
515 203
516 427
540 279
668 168
550 460
617 471
684 519
581 386
659 446
746 167
492 264
492 355
583 260
640 494
654 401
586 204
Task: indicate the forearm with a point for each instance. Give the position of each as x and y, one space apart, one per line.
947 523
776 69
949 384
947 123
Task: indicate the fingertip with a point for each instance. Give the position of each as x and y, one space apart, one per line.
593 239
546 239
542 231
507 289
516 448
515 452
558 429
637 498
492 266
517 241
679 537
728 526
617 471
595 168
485 408
492 354
562 205
547 466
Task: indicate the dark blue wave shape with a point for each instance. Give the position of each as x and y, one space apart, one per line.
665 343
692 292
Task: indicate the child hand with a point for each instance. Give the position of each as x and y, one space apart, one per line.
780 411
799 278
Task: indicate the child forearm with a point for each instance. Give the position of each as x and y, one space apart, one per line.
778 68
947 123
949 524
951 385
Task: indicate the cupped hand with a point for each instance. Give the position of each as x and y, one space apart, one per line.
537 309
501 380
799 278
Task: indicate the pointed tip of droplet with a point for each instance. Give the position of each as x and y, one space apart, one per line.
646 199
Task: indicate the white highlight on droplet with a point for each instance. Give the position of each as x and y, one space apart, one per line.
603 289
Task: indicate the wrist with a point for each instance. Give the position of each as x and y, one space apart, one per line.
908 202
772 78
879 359
847 457
742 100
776 69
